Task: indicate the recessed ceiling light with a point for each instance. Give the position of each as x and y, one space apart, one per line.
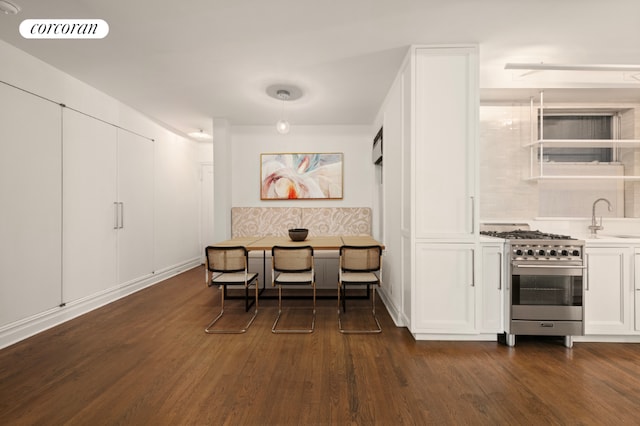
9 8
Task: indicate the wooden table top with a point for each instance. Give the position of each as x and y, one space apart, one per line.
318 243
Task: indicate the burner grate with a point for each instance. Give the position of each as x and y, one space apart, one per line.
520 234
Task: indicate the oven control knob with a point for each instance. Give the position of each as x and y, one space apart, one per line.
518 252
541 252
575 253
530 252
564 253
553 252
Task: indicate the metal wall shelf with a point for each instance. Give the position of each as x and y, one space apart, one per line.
536 167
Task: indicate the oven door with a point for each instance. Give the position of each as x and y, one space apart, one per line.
548 292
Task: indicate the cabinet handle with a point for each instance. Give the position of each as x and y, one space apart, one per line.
586 271
500 269
473 215
473 268
115 215
121 215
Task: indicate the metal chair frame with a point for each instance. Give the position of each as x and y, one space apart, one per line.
286 275
233 271
357 275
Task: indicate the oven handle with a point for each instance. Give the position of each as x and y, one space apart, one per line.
550 266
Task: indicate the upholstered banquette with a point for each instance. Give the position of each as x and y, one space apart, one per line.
265 221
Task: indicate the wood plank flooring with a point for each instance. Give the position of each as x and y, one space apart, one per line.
146 360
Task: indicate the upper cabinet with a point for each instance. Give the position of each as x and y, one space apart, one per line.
445 142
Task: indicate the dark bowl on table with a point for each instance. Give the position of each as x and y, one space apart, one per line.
298 234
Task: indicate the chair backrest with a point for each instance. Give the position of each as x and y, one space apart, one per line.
292 259
227 258
360 258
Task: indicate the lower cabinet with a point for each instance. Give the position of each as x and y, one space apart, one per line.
458 290
609 291
636 287
444 289
489 304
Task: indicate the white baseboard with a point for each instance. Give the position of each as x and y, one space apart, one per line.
457 337
391 308
27 327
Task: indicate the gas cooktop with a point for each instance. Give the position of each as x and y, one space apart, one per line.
525 234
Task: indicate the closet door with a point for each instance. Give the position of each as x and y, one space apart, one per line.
31 213
135 195
89 179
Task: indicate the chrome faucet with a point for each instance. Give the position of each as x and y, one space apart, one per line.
594 227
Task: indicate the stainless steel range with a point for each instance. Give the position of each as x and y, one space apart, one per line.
545 290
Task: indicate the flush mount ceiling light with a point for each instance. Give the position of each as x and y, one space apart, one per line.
9 8
201 135
568 67
575 73
284 94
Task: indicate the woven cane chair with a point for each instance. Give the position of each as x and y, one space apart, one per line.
359 266
229 267
292 266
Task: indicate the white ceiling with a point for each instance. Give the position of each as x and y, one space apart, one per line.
187 62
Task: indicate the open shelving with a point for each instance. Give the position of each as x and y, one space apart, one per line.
538 145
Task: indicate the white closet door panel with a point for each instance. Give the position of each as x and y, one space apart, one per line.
135 192
177 223
30 217
89 212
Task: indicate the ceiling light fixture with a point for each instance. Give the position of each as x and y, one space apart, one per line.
201 135
284 93
568 67
9 8
283 126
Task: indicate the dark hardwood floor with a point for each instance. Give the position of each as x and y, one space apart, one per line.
146 360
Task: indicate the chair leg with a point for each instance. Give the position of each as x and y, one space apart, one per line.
373 311
274 328
209 329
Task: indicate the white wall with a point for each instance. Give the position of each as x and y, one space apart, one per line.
248 142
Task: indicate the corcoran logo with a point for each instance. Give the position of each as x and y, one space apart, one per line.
64 28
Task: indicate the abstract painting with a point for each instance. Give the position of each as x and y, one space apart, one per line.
310 176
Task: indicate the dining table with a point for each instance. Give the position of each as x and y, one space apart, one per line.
322 242
319 243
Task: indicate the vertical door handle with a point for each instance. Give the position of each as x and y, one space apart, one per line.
586 272
473 267
121 215
500 269
116 220
473 215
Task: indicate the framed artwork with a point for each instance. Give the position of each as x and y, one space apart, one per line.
295 176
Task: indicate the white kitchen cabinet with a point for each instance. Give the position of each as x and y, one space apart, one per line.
31 213
489 303
444 294
108 200
609 293
430 124
636 287
446 122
